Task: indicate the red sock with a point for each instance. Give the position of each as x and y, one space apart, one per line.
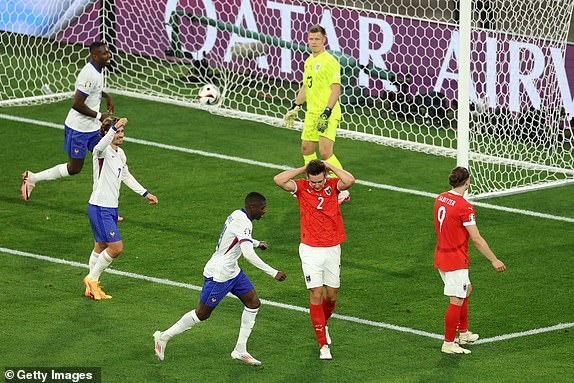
451 319
318 320
328 309
463 322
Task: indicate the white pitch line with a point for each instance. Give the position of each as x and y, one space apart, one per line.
291 307
535 331
283 167
198 288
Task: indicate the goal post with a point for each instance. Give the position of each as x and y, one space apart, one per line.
485 84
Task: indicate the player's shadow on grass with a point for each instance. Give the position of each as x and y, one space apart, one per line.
447 368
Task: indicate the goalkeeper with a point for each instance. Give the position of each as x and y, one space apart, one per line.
321 89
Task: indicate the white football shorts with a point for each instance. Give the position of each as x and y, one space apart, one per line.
321 265
456 283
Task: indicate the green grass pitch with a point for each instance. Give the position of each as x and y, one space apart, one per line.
387 272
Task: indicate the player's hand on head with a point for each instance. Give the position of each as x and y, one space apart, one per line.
499 266
263 245
121 122
151 199
280 276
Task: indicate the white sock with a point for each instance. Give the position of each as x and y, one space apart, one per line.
247 323
93 259
54 173
186 322
103 262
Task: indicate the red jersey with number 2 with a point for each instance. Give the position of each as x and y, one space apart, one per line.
321 220
452 213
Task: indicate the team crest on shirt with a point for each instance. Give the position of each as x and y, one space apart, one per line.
247 231
471 218
88 84
328 190
317 67
112 233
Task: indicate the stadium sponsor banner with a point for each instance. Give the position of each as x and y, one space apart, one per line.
427 51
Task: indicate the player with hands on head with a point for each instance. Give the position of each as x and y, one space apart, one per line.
322 232
110 170
455 223
222 275
82 125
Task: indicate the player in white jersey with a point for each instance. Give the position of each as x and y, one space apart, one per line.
81 128
110 170
222 275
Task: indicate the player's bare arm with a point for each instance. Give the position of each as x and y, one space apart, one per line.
482 246
81 107
335 94
109 102
346 179
285 179
301 96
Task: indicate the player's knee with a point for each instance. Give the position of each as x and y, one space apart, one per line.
115 249
202 314
253 304
325 153
74 169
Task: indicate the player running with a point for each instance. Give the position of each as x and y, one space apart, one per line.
82 125
222 275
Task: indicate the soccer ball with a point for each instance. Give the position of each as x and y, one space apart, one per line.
209 94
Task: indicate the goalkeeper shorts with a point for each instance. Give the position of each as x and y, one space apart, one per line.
310 132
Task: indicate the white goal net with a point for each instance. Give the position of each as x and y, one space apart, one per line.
399 61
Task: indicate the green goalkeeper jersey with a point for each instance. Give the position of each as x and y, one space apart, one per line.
320 73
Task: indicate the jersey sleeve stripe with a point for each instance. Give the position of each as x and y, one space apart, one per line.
85 94
471 223
245 240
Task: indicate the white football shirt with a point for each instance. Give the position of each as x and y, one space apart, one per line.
110 170
90 83
223 266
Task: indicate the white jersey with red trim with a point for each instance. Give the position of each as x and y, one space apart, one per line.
90 83
223 266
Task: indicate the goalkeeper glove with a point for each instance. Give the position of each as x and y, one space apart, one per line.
289 119
322 122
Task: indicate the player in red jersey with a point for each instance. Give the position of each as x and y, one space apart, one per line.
322 232
455 222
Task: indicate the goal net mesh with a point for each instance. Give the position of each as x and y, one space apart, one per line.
398 59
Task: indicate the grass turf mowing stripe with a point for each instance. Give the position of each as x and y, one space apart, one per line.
282 167
168 282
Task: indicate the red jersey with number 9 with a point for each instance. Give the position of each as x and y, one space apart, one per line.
451 214
321 220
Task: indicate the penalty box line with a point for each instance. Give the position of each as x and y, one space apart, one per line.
282 167
388 326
